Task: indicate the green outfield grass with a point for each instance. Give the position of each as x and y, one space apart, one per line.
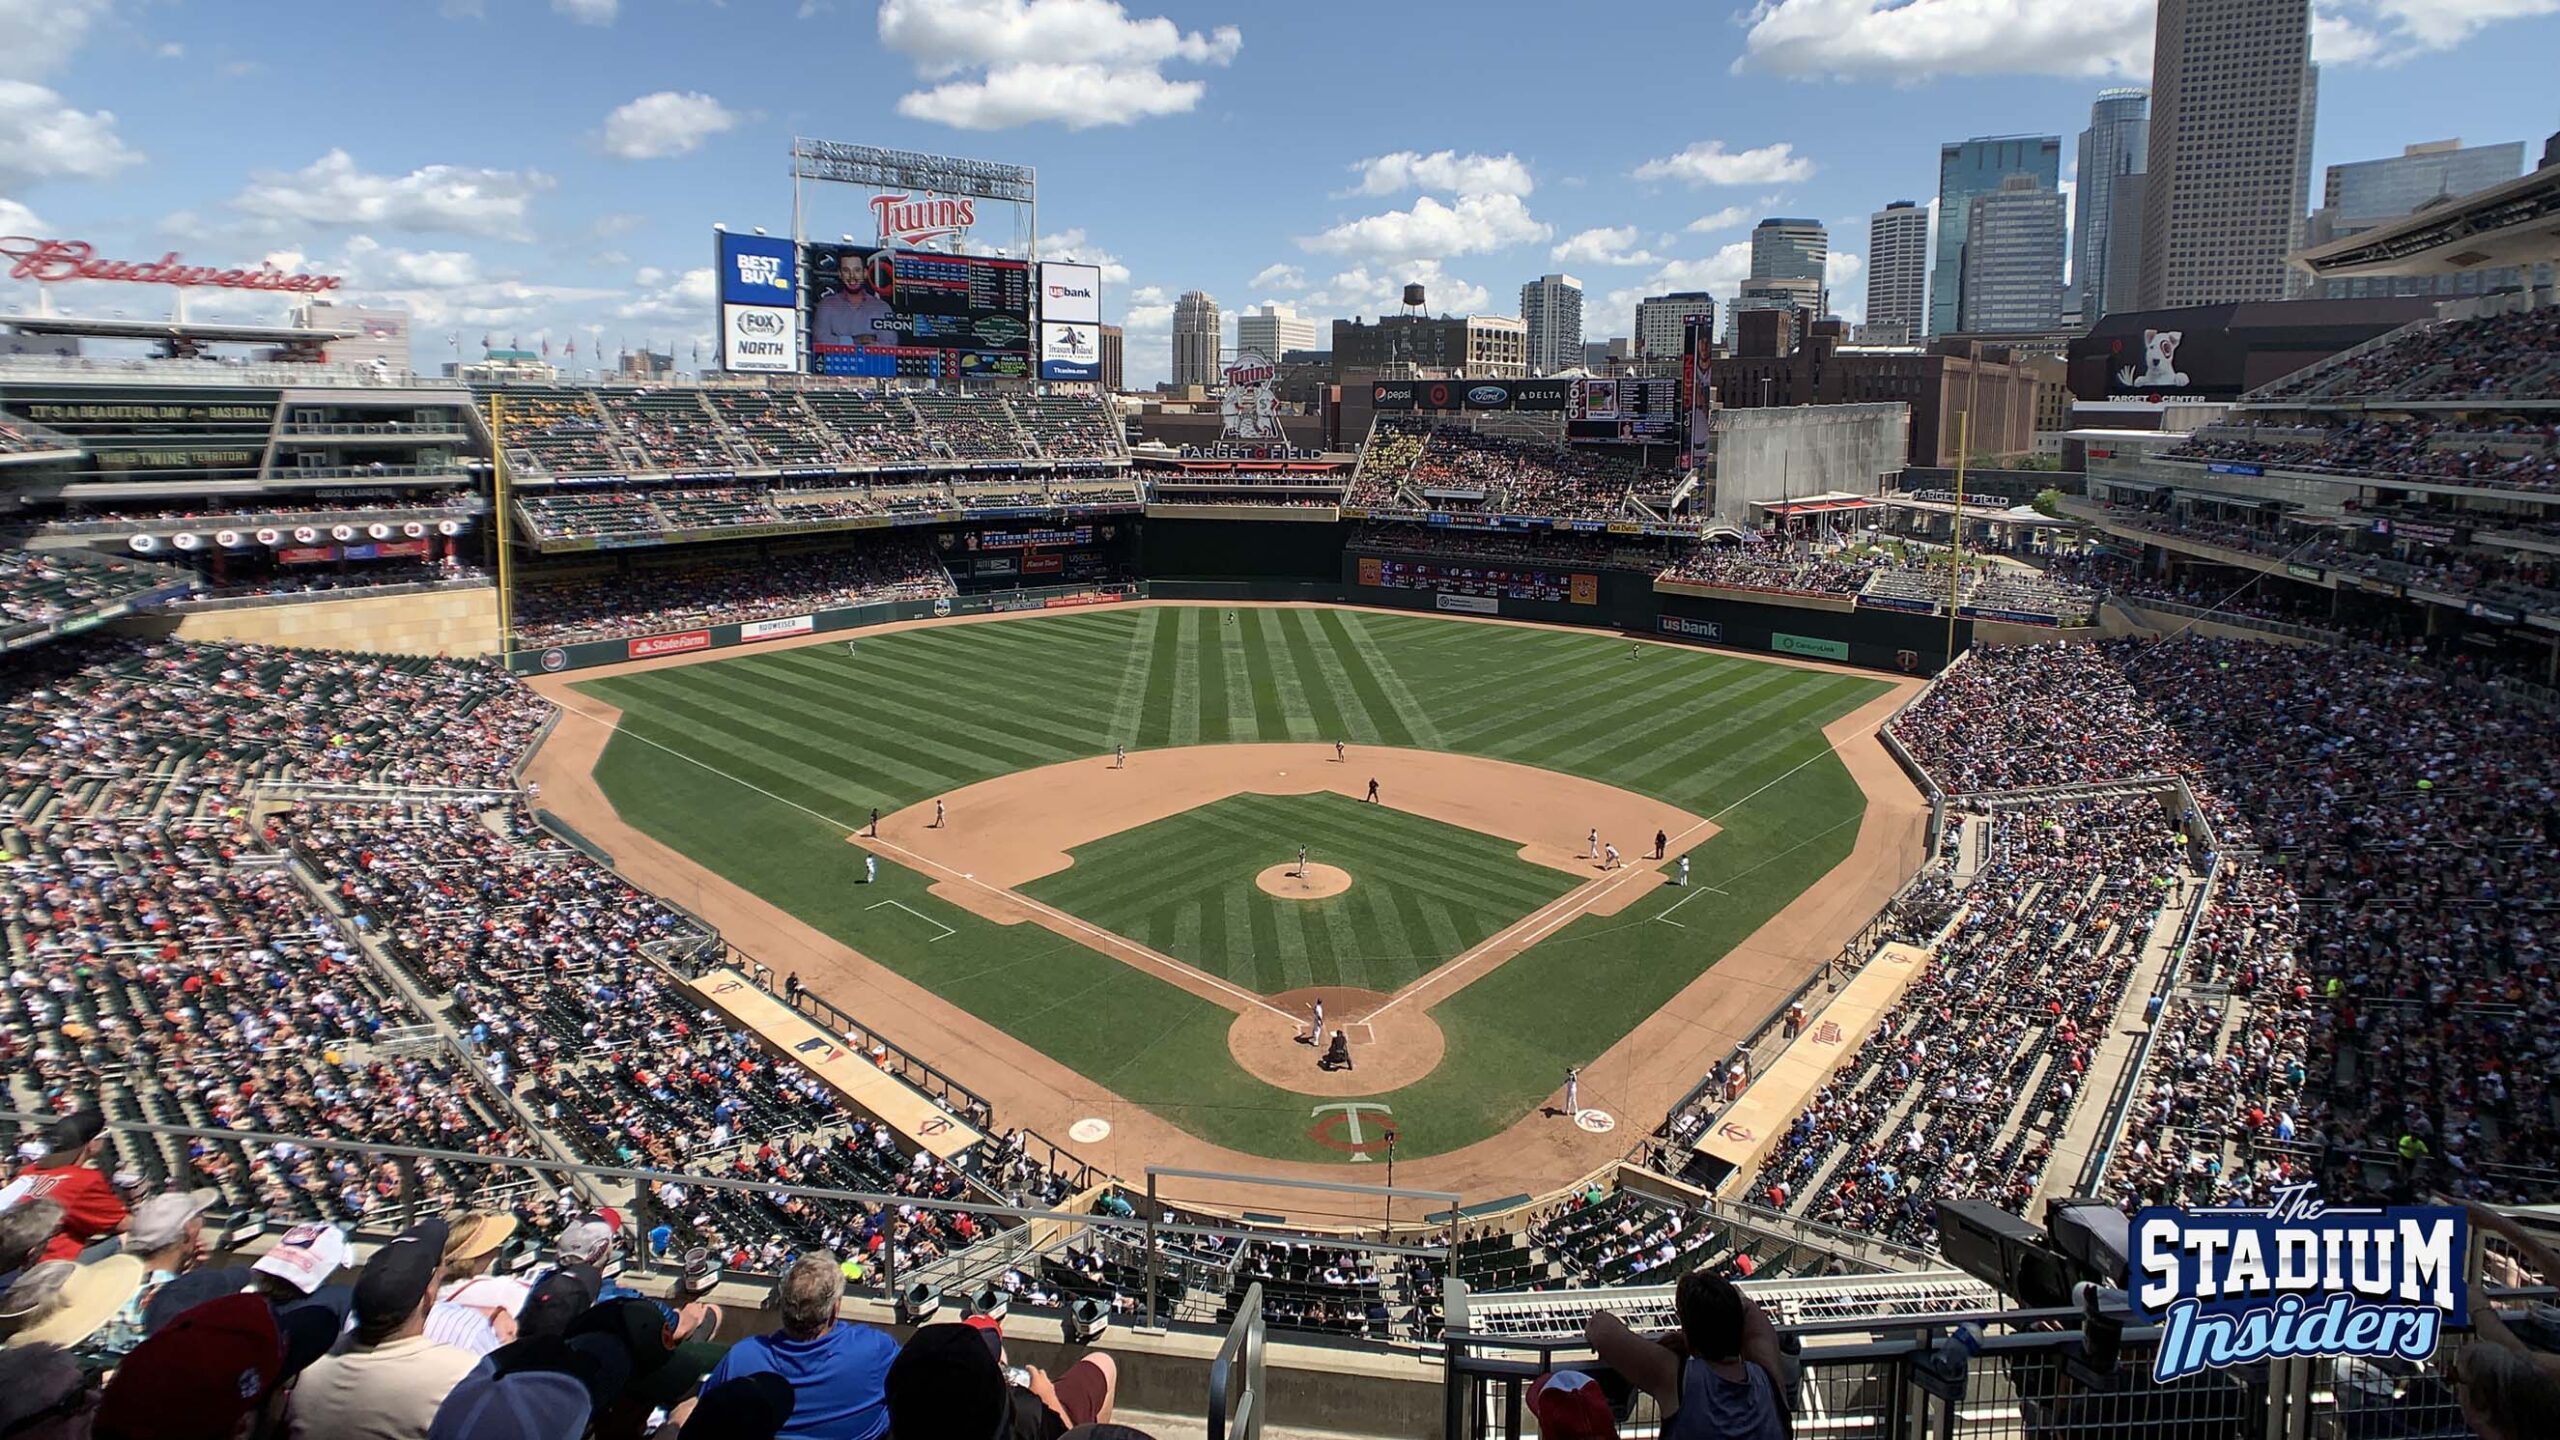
758 767
1422 891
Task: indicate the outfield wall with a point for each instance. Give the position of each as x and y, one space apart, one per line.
585 654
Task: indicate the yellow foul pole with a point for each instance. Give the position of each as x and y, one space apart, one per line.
498 530
1955 532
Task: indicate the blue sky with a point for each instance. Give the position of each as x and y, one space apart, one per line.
550 169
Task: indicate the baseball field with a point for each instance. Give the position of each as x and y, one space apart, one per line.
1128 942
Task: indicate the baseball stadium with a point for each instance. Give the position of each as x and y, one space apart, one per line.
1338 907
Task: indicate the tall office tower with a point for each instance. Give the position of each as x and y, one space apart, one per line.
1274 331
1662 322
2233 99
1195 339
2013 260
1898 267
1966 169
1551 306
1787 262
2117 143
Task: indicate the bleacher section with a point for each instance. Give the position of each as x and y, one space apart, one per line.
46 592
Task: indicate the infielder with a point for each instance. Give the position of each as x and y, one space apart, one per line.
870 869
1119 757
937 814
1572 1091
1610 860
1337 752
1591 846
875 822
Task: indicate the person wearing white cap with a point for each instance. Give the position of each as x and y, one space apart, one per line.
303 1261
167 1234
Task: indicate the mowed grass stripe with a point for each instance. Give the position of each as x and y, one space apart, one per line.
1155 714
1271 642
1209 643
1271 720
836 717
1373 662
1729 708
1348 669
1323 703
1186 680
981 702
793 763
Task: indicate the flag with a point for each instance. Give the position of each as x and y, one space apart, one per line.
546 348
488 343
573 348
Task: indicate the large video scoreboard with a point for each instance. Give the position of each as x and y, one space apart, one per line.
1625 412
913 313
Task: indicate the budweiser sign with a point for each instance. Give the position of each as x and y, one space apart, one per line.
51 260
910 221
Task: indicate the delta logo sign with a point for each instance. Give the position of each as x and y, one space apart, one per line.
2234 1285
910 221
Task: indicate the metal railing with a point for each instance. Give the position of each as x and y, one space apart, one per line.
241 600
128 371
392 429
351 513
1236 1398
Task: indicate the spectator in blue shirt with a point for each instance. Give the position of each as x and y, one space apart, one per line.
839 1369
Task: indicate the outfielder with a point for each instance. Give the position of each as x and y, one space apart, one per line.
1684 870
870 869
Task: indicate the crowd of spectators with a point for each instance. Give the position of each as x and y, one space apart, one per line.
269 509
2505 357
1453 468
2409 820
1396 537
45 587
1974 1074
1778 568
646 602
2512 454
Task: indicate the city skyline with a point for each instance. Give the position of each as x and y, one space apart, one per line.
149 129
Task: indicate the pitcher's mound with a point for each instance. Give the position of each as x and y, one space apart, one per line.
1319 881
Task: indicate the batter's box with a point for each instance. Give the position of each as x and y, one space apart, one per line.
1368 1033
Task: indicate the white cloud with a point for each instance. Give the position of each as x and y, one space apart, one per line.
1724 219
588 12
17 219
1840 269
37 36
1474 225
1379 290
2440 24
1073 245
43 137
1709 163
2338 40
686 297
332 190
1919 39
1844 280
1443 170
171 50
1078 63
1604 245
1280 277
1720 275
666 123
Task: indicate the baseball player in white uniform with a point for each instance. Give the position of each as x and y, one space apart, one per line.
1316 1035
1572 1091
1591 846
1302 862
1119 757
1611 861
870 869
937 814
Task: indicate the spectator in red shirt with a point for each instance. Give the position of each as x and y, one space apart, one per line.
68 1175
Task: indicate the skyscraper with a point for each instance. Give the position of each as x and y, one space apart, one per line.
1114 355
2233 97
1274 331
1787 261
1551 306
1898 268
1195 339
1662 320
1966 169
2013 260
2117 143
2362 194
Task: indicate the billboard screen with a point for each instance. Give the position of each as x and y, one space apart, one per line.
883 312
1070 351
1626 412
759 327
1070 293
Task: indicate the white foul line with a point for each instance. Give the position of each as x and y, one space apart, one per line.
947 931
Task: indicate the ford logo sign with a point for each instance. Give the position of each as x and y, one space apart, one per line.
1487 395
762 322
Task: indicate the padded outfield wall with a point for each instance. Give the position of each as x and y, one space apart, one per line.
1255 560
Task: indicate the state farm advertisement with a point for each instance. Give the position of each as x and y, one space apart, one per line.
776 629
649 647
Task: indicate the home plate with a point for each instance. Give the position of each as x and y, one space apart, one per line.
1091 1130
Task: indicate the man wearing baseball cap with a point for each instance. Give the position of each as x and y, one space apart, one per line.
1570 1406
204 1373
389 1379
299 1266
69 1175
166 1232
